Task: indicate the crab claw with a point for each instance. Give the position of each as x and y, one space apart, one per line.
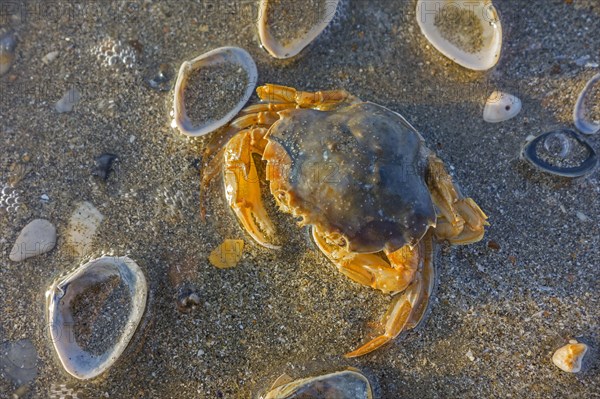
242 189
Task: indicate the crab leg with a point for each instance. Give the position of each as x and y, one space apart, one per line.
408 308
461 220
266 118
271 107
369 269
321 100
242 187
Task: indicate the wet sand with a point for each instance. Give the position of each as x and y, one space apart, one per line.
502 306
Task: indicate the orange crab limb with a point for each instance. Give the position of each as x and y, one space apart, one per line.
461 220
320 100
242 187
474 226
408 308
266 118
370 269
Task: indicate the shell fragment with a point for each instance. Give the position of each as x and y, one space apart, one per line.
500 107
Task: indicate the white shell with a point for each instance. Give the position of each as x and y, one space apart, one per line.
568 358
59 298
82 228
347 384
455 17
38 237
222 55
500 107
579 113
286 50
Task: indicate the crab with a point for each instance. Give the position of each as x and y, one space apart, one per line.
376 198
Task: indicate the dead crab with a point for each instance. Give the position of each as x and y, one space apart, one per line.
379 200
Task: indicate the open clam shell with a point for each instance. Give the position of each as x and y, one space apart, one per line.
93 313
467 32
283 33
588 99
220 57
347 384
561 152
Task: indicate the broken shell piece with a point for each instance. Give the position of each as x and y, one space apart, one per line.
569 357
218 59
285 27
500 107
587 109
93 313
8 44
561 152
83 224
228 254
347 384
467 32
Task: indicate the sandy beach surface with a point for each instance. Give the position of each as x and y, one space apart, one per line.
501 307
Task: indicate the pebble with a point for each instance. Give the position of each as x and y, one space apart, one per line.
569 357
470 355
38 237
104 164
51 56
68 101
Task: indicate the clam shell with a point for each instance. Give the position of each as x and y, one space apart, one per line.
347 384
271 36
500 107
569 357
61 307
467 32
219 56
579 112
561 152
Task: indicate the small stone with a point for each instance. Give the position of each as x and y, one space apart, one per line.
470 355
44 197
38 237
104 164
581 216
68 101
569 357
51 56
581 61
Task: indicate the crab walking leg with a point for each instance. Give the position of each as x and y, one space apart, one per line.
461 220
242 187
370 269
271 107
407 309
266 118
322 100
